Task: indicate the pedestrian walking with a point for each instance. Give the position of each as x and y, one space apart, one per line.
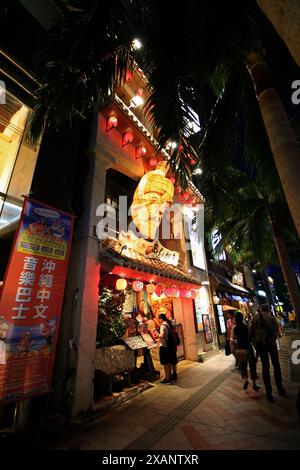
244 351
229 325
264 332
167 350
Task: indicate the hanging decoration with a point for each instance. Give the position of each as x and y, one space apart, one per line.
151 199
111 123
121 284
140 151
150 288
168 292
127 138
137 286
159 290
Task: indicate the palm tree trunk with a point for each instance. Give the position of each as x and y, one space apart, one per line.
287 269
285 17
284 147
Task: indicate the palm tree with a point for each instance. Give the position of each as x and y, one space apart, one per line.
285 17
252 222
180 56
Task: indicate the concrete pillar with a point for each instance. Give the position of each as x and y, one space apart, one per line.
86 279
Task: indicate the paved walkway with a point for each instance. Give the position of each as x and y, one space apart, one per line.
206 409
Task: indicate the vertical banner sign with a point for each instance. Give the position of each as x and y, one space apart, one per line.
31 301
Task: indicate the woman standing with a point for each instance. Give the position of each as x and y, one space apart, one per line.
244 351
167 350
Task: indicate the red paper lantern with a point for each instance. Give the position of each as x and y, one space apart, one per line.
159 290
137 286
128 76
127 138
185 195
121 284
175 292
111 123
193 294
141 151
182 293
150 288
178 189
168 292
172 179
153 162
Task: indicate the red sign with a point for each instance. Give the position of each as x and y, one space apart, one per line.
31 301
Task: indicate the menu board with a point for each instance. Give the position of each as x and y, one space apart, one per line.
135 342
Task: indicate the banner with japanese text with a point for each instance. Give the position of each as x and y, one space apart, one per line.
31 300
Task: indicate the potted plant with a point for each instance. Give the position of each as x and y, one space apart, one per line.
112 356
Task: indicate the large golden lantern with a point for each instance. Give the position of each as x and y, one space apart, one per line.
152 197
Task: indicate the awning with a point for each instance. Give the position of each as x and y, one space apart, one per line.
224 282
114 251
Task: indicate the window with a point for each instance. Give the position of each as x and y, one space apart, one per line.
17 162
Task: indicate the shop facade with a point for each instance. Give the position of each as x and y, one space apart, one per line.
160 275
228 297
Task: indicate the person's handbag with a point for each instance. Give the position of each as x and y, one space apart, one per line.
241 355
227 348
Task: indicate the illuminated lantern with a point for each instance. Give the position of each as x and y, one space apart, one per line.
153 162
175 292
141 151
127 138
150 288
121 284
137 286
172 179
111 123
177 189
193 294
128 76
180 148
158 290
168 292
153 195
185 195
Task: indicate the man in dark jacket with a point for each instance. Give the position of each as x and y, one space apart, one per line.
264 331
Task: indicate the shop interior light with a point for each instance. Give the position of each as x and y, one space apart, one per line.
111 123
137 100
136 44
127 138
140 151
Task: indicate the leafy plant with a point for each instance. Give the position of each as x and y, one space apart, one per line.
111 325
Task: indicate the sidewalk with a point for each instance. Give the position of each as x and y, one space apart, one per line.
206 409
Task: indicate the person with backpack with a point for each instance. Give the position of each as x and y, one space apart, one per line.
264 332
244 351
167 350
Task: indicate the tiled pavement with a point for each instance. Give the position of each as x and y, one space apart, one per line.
206 409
